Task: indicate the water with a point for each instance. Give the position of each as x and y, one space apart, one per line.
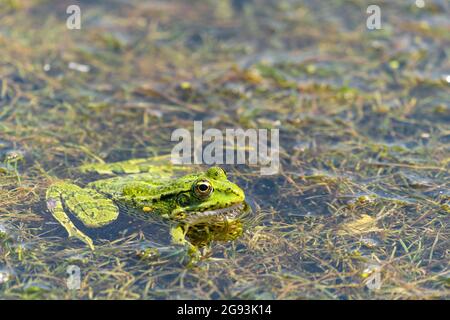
364 135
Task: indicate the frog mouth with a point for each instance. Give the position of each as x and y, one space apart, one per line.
228 213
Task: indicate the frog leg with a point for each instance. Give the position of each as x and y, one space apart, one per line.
160 166
178 235
89 206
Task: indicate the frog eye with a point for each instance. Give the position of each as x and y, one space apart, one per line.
203 188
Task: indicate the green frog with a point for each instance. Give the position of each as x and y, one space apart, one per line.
203 206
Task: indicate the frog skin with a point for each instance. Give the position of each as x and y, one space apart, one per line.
204 199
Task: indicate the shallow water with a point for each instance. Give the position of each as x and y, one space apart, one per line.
364 120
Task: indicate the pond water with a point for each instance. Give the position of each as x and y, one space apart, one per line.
364 143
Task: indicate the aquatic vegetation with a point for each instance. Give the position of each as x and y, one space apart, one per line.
363 115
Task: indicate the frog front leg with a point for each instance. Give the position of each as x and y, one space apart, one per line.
89 206
178 235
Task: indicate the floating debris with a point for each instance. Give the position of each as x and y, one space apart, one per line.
6 274
370 242
420 4
148 253
79 67
185 85
371 276
447 78
153 252
446 207
7 235
14 156
364 224
370 269
363 199
3 231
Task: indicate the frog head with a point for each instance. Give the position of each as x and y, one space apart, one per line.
202 197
